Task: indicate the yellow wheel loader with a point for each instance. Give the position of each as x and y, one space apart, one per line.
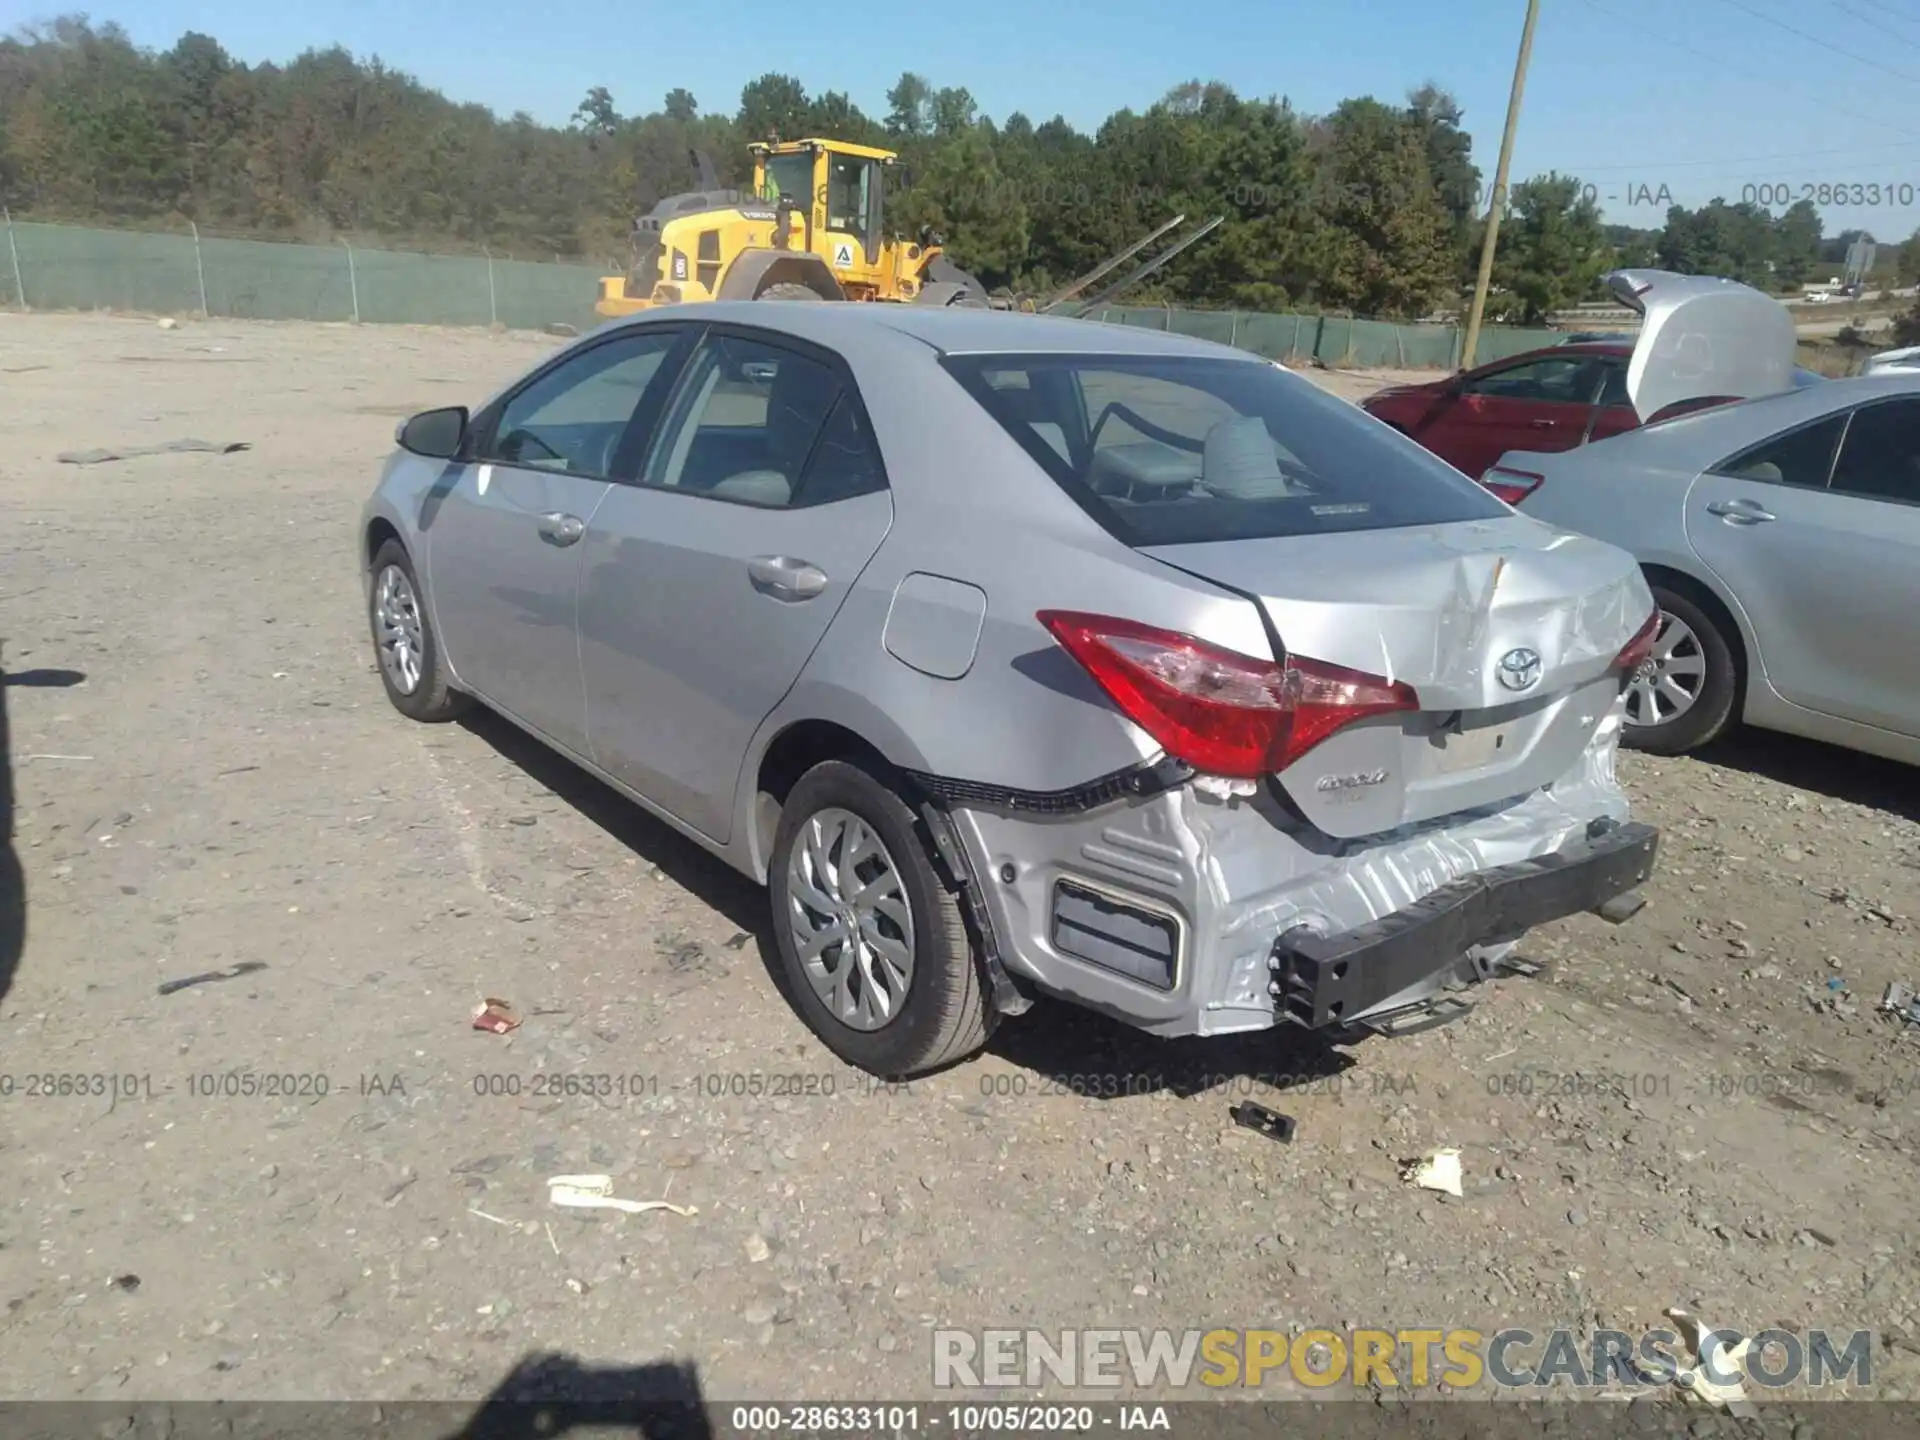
812 228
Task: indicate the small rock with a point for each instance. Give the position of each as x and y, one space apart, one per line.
758 1249
758 1313
887 1344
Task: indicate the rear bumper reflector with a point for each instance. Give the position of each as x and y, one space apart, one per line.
1329 980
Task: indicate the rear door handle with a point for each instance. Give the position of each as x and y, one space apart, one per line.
562 529
785 578
1741 512
1541 424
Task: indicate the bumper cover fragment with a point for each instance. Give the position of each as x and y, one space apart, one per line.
1331 980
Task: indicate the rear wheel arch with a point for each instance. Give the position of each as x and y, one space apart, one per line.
793 751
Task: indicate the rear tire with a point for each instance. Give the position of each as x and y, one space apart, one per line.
848 846
1694 658
405 649
788 290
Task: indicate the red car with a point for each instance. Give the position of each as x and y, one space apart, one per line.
1553 399
1559 398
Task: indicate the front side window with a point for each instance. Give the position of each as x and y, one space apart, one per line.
790 177
1180 450
573 417
1802 457
1566 379
1880 457
746 424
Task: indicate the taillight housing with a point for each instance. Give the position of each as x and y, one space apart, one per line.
1512 486
1222 712
1635 652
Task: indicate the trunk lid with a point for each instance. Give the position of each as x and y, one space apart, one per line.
1702 337
1447 609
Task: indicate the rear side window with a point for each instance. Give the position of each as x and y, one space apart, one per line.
1172 450
1802 457
1880 457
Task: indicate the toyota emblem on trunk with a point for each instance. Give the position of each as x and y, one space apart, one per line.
1520 669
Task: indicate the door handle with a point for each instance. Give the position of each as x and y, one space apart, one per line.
562 529
1741 512
786 579
1540 424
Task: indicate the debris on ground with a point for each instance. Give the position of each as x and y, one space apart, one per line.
133 452
1270 1123
1439 1171
1901 1000
208 977
1725 1360
494 1016
595 1192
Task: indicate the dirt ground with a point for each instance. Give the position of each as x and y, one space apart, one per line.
1700 1108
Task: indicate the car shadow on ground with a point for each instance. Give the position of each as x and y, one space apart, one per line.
547 1395
13 879
1830 771
1072 1050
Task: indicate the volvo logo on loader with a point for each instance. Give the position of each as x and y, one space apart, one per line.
1519 669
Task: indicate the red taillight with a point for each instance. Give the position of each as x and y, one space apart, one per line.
1512 486
1223 713
1636 650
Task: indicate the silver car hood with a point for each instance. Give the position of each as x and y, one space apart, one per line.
1888 361
1701 336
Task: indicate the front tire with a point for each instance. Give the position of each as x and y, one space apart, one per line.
1683 696
872 942
788 290
404 646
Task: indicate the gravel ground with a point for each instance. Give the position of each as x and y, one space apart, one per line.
1700 1108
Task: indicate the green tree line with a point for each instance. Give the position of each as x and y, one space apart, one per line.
1371 209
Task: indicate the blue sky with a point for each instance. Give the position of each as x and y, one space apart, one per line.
1702 98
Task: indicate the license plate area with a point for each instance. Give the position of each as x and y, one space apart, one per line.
1471 747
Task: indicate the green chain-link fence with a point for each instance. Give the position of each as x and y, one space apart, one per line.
1332 339
63 267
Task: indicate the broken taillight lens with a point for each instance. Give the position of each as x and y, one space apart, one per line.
1512 486
1222 712
1636 650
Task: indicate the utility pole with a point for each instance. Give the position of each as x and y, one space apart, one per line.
1499 190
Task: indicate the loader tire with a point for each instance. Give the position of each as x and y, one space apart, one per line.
787 290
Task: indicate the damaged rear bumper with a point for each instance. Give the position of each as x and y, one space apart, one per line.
1331 980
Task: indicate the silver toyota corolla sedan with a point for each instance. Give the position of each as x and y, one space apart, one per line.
1021 657
1780 536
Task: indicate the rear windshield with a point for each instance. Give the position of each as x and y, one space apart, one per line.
1174 450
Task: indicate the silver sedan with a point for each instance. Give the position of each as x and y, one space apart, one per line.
1022 657
1781 538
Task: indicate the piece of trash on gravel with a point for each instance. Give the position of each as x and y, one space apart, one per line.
128 1283
496 1017
595 1192
1439 1171
232 972
1258 1118
134 452
1726 1359
1901 999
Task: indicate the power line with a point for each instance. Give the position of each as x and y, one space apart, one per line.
1879 25
1739 159
1814 39
1885 9
1772 82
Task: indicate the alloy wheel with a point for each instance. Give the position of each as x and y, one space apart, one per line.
401 634
850 919
1669 681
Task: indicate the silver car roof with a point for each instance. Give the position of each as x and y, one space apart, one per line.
847 326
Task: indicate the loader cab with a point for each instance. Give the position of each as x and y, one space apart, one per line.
837 190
